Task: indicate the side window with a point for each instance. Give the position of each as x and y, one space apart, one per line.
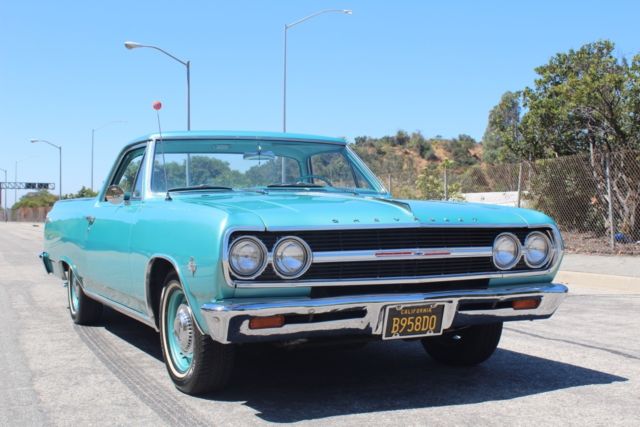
137 190
361 182
128 171
334 167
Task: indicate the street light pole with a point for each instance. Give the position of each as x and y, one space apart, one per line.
15 179
93 132
5 194
93 138
284 85
187 64
59 147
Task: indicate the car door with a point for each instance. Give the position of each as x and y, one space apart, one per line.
109 233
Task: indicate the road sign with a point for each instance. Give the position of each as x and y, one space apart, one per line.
27 186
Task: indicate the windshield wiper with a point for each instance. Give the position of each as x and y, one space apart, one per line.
314 187
204 187
253 190
200 187
295 186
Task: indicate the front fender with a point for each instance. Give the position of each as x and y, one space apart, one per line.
189 237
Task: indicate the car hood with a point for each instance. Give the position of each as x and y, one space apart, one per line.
319 209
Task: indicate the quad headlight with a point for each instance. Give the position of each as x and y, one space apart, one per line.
506 251
291 257
247 257
537 249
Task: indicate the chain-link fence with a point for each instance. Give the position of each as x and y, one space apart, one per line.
595 199
24 214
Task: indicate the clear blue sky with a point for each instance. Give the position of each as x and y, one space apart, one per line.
437 67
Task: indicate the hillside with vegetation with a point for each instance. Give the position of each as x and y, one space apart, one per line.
407 161
575 133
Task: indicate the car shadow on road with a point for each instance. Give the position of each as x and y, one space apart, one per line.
285 386
132 331
295 386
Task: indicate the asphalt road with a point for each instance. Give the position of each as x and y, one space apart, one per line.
580 367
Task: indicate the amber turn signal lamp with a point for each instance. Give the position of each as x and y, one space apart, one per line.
526 304
266 322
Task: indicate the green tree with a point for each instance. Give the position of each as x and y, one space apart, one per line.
431 183
501 142
35 199
584 99
84 192
460 149
587 100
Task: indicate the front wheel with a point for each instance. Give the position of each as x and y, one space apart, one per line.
465 347
195 362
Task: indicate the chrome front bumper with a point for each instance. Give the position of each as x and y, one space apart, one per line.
228 320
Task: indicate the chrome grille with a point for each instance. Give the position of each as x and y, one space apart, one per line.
390 239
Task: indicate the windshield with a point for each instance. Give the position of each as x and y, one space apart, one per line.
242 164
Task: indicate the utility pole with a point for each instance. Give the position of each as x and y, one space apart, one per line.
5 195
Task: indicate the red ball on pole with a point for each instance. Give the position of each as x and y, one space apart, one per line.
157 105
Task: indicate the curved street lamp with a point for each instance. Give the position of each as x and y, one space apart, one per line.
286 27
59 147
134 45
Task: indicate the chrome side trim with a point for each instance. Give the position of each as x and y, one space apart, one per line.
416 224
228 320
401 254
121 308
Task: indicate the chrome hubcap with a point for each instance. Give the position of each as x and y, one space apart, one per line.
183 328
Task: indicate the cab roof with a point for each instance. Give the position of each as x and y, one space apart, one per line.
240 135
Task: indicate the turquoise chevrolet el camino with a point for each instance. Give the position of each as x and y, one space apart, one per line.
218 239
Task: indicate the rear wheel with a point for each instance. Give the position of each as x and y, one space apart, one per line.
195 362
465 347
83 310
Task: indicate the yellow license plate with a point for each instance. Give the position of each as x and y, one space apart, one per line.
411 321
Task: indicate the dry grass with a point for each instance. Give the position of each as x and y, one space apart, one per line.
589 243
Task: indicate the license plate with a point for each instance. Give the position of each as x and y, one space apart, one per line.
411 321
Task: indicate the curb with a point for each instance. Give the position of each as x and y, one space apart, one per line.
602 283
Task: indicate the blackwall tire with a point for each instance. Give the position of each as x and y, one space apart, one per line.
466 347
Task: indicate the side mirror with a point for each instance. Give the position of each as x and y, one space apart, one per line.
114 195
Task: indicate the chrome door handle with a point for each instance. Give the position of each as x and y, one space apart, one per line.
90 219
